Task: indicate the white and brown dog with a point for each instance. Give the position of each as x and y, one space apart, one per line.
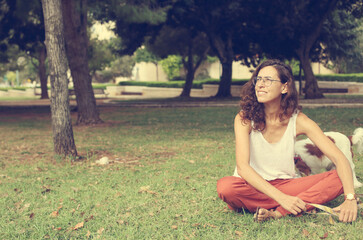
310 160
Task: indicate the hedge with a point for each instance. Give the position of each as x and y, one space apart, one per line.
198 84
5 89
356 77
353 77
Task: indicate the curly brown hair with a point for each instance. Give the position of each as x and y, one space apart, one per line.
252 110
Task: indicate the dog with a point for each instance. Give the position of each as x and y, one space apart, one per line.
310 160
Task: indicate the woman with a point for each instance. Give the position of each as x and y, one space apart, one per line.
265 130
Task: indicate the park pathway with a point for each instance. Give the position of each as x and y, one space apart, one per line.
194 102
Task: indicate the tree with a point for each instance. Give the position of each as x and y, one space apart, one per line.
120 67
134 20
224 22
100 55
296 30
300 29
340 38
193 48
311 23
76 40
54 40
172 65
9 61
23 26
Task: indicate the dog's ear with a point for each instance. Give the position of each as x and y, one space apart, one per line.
314 150
302 166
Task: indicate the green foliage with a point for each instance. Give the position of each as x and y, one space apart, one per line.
141 12
11 76
171 66
12 54
202 75
341 49
14 88
100 55
177 40
191 46
104 76
123 66
211 59
354 77
295 66
23 24
144 55
101 85
134 20
349 77
120 67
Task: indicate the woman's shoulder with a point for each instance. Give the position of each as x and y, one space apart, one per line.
301 117
303 123
240 120
240 116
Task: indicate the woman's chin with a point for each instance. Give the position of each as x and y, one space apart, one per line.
261 99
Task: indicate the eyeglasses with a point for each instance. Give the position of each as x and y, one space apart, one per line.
266 81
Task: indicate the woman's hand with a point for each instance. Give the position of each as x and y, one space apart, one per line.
292 204
347 211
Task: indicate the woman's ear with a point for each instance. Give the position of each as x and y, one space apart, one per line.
284 89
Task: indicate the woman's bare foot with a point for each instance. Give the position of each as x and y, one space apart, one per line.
262 215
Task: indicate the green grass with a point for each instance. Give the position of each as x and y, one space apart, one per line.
161 184
14 88
18 98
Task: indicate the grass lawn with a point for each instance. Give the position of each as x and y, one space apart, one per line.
161 183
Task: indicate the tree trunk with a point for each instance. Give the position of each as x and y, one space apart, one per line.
43 73
300 80
191 68
306 43
188 83
225 83
311 85
224 50
157 71
54 41
75 23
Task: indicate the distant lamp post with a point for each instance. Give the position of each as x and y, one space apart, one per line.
17 77
20 62
6 80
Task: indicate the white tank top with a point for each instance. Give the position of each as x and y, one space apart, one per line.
273 160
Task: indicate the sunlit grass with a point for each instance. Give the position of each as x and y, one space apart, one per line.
161 183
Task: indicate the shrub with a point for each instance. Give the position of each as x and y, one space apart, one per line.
171 66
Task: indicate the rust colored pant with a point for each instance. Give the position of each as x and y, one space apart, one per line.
319 188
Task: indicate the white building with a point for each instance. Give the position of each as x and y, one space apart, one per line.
149 72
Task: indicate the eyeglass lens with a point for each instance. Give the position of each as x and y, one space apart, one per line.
266 81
